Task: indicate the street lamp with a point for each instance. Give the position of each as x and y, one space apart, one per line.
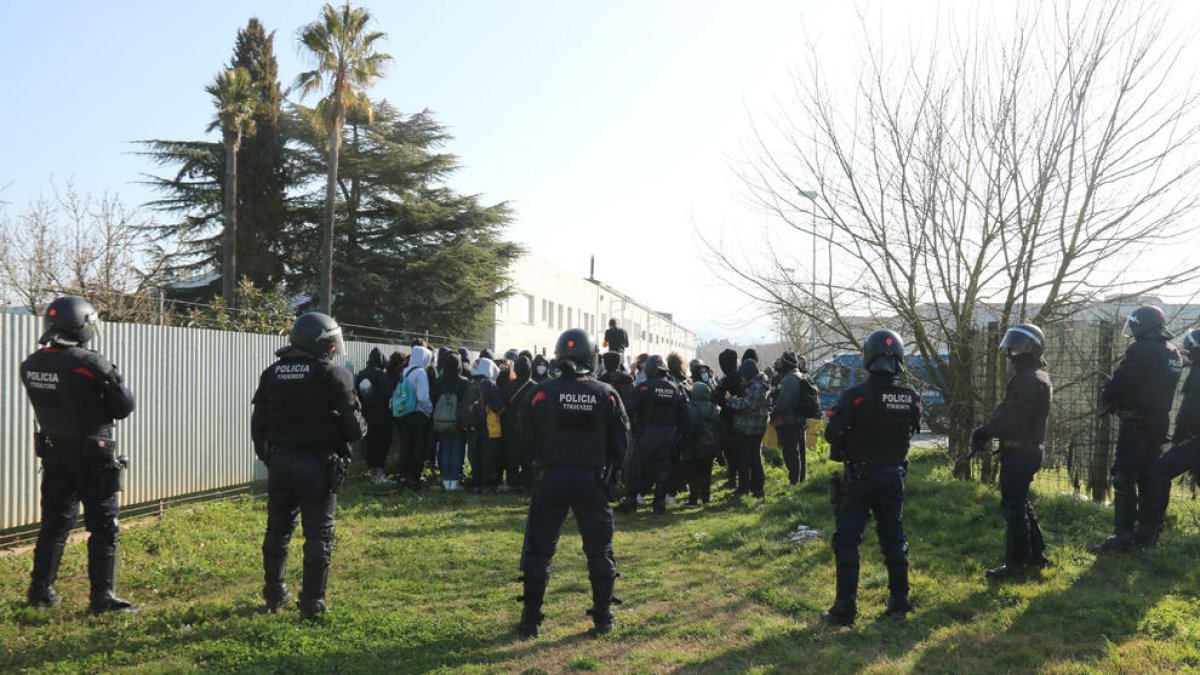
811 195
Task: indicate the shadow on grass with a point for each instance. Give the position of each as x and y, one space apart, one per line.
873 639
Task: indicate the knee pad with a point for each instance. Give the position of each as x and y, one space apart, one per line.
275 544
317 552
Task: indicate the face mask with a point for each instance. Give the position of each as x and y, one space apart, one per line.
704 377
541 370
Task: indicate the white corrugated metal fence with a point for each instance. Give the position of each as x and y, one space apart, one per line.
190 431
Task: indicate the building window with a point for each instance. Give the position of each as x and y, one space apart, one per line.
528 307
570 318
560 317
545 312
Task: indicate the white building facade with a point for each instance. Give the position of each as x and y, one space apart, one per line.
547 300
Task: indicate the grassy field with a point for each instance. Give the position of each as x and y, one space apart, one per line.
426 583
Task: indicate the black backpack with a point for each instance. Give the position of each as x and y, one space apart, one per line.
471 411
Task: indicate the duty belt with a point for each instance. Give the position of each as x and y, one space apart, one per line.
319 449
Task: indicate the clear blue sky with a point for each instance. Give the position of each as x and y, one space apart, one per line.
609 126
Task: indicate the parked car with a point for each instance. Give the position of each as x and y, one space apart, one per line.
846 370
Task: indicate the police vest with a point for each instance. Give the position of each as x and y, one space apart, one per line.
883 424
574 431
299 405
657 402
63 387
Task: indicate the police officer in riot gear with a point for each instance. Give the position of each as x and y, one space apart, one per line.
1141 392
76 394
1020 424
870 431
1185 453
660 415
305 416
580 436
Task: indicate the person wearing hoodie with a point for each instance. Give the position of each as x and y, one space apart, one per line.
374 389
512 419
703 444
541 369
486 404
730 385
415 424
1020 424
659 417
751 410
794 405
616 377
449 389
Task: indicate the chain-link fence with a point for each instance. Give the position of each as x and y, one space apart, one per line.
1080 442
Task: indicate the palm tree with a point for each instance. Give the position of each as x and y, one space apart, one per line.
346 64
237 100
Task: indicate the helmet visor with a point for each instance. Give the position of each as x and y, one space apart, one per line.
333 337
1019 341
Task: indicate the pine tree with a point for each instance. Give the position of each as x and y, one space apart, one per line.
409 251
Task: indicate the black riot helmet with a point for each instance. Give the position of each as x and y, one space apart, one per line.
318 334
1024 338
1191 343
1146 321
70 321
655 366
575 353
883 352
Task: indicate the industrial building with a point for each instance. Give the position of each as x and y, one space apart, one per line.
547 300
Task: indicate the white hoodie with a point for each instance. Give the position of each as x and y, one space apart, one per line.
415 373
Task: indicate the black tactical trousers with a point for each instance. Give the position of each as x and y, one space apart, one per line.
298 484
1173 463
582 491
68 478
750 466
1017 468
651 465
873 490
379 440
1136 484
791 442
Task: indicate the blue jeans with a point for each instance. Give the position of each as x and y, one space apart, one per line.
451 449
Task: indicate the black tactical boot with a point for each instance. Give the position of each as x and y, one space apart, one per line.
41 593
312 592
602 601
845 606
1124 516
102 573
1016 550
898 603
275 592
531 621
531 615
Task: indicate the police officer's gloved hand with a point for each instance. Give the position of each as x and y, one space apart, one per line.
979 439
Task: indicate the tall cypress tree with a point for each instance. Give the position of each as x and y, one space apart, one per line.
261 175
194 192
